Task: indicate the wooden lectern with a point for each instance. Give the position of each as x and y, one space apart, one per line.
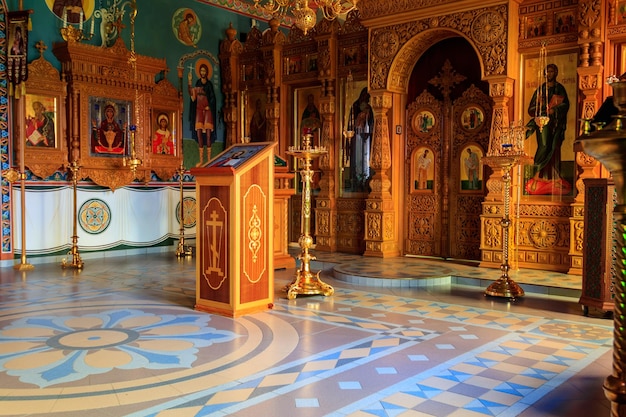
234 236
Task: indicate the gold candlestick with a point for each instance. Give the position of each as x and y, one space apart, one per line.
505 286
181 250
12 176
307 282
508 155
77 262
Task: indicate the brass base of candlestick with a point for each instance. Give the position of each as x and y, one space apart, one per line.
504 287
23 267
13 175
307 282
77 262
181 250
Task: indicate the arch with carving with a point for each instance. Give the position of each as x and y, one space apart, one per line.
396 48
394 51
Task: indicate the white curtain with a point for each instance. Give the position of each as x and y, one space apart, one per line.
140 217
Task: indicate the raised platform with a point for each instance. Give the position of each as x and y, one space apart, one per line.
416 272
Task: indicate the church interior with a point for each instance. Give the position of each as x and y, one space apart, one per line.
312 208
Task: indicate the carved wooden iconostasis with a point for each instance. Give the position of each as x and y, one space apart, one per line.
45 147
298 82
253 94
106 97
324 77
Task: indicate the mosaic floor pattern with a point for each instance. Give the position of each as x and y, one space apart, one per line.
121 338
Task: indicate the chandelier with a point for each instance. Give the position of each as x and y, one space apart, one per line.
305 17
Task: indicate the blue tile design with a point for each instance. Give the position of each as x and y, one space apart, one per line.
307 402
354 353
350 385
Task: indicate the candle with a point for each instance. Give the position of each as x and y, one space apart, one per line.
80 20
65 17
93 22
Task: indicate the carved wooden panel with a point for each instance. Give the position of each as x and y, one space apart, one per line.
471 125
543 237
164 153
350 225
424 198
105 77
43 109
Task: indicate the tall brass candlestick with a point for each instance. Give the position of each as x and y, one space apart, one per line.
12 175
505 286
306 282
608 146
77 262
181 250
509 154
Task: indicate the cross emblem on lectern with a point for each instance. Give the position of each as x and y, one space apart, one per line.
213 228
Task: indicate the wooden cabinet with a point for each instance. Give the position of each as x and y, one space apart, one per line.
598 251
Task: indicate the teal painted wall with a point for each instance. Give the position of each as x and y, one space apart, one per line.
154 37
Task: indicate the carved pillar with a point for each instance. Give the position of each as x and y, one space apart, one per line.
273 41
500 90
326 200
589 84
230 48
380 209
590 28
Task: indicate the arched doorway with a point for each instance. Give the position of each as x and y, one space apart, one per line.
448 121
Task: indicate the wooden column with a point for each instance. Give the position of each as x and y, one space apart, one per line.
380 223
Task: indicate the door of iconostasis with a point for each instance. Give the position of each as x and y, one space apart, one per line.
448 127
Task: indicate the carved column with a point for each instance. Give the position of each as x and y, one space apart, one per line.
500 90
326 200
230 48
590 70
273 41
589 84
380 209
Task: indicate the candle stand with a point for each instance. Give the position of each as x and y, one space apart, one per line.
12 175
182 250
306 282
77 262
511 154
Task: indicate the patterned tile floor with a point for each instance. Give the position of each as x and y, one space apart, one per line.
121 338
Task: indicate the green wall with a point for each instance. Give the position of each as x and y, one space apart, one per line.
154 37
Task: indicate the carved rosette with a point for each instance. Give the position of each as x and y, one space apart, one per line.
544 234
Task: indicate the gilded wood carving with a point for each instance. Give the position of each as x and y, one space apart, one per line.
45 147
96 78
